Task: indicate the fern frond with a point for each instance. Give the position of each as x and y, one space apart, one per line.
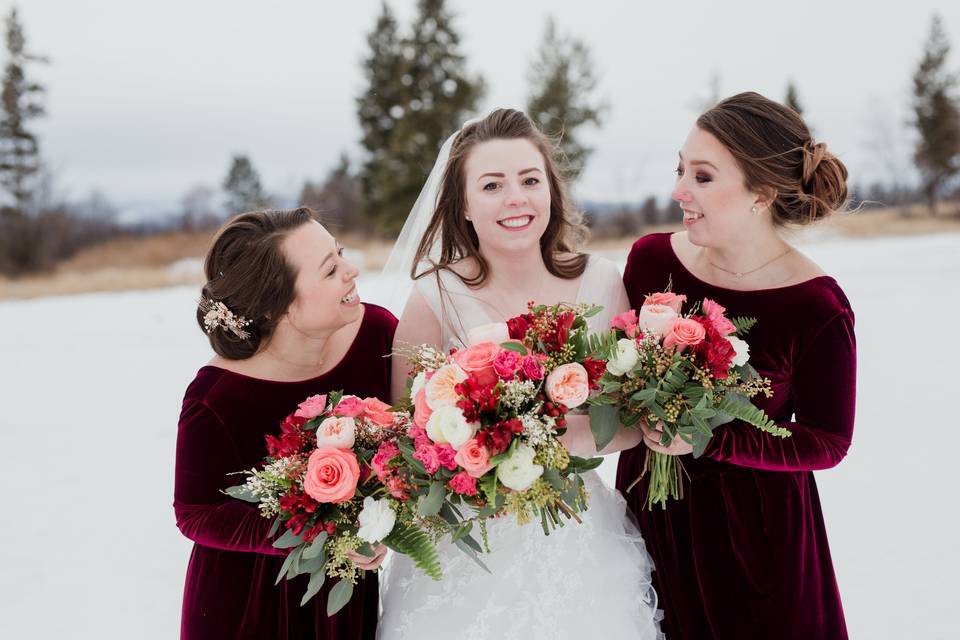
414 542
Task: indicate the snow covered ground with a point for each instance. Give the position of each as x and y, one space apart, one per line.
90 390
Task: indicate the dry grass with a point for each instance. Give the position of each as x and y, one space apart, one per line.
141 263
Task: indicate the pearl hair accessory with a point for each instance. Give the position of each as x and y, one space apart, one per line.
218 315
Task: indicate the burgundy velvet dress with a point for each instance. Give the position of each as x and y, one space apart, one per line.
744 554
229 592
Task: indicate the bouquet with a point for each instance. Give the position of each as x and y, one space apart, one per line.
316 483
485 420
688 371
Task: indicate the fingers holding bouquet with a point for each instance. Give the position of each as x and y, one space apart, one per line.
653 438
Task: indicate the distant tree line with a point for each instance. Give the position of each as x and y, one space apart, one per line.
417 90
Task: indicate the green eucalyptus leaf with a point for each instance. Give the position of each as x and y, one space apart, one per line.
339 596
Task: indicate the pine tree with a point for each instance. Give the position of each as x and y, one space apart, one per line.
378 110
20 159
242 186
562 82
433 97
792 99
936 116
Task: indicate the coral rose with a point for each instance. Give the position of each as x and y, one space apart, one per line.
478 360
311 407
332 475
684 333
349 406
666 298
378 412
474 458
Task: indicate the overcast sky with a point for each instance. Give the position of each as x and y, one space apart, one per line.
148 99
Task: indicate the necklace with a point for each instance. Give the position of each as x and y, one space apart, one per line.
740 274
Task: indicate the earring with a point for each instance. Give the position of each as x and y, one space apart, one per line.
754 210
469 219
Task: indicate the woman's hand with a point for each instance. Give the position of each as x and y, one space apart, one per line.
652 438
368 563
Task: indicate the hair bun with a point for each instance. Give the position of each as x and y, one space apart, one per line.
813 155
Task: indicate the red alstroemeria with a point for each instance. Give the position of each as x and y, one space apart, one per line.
595 369
518 326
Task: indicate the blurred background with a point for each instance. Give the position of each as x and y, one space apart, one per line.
130 131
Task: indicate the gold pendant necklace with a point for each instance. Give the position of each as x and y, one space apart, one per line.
740 274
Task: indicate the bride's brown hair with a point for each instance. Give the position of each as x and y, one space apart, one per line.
565 231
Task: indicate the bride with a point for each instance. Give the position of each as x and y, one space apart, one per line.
492 230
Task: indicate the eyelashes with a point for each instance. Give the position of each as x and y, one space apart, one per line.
701 178
527 182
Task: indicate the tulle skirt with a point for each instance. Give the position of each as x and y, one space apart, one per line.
583 580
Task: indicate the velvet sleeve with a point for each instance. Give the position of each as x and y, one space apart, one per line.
205 456
824 390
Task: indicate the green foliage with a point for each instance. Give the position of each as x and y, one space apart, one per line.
339 596
562 81
936 116
418 92
743 324
288 539
414 542
600 344
313 587
430 504
603 424
242 492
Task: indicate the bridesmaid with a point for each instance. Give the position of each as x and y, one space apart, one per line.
307 334
744 554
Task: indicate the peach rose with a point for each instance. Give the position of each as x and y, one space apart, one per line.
421 410
495 332
474 458
684 333
332 475
656 318
666 298
478 360
377 411
569 385
442 387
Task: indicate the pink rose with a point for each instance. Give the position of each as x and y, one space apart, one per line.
418 432
495 332
311 407
349 406
474 458
532 367
478 360
717 317
447 456
666 298
336 431
464 484
684 333
627 322
427 454
421 410
506 364
568 385
332 475
388 451
378 412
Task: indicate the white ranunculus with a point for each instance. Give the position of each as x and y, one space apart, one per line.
447 424
338 432
624 357
518 471
419 382
376 520
656 318
742 349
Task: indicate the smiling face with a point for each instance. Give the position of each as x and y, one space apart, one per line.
507 195
711 190
326 297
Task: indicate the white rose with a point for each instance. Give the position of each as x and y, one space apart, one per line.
338 432
419 382
742 349
495 332
447 424
656 318
518 471
624 358
376 520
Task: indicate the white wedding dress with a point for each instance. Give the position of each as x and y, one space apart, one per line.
589 580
